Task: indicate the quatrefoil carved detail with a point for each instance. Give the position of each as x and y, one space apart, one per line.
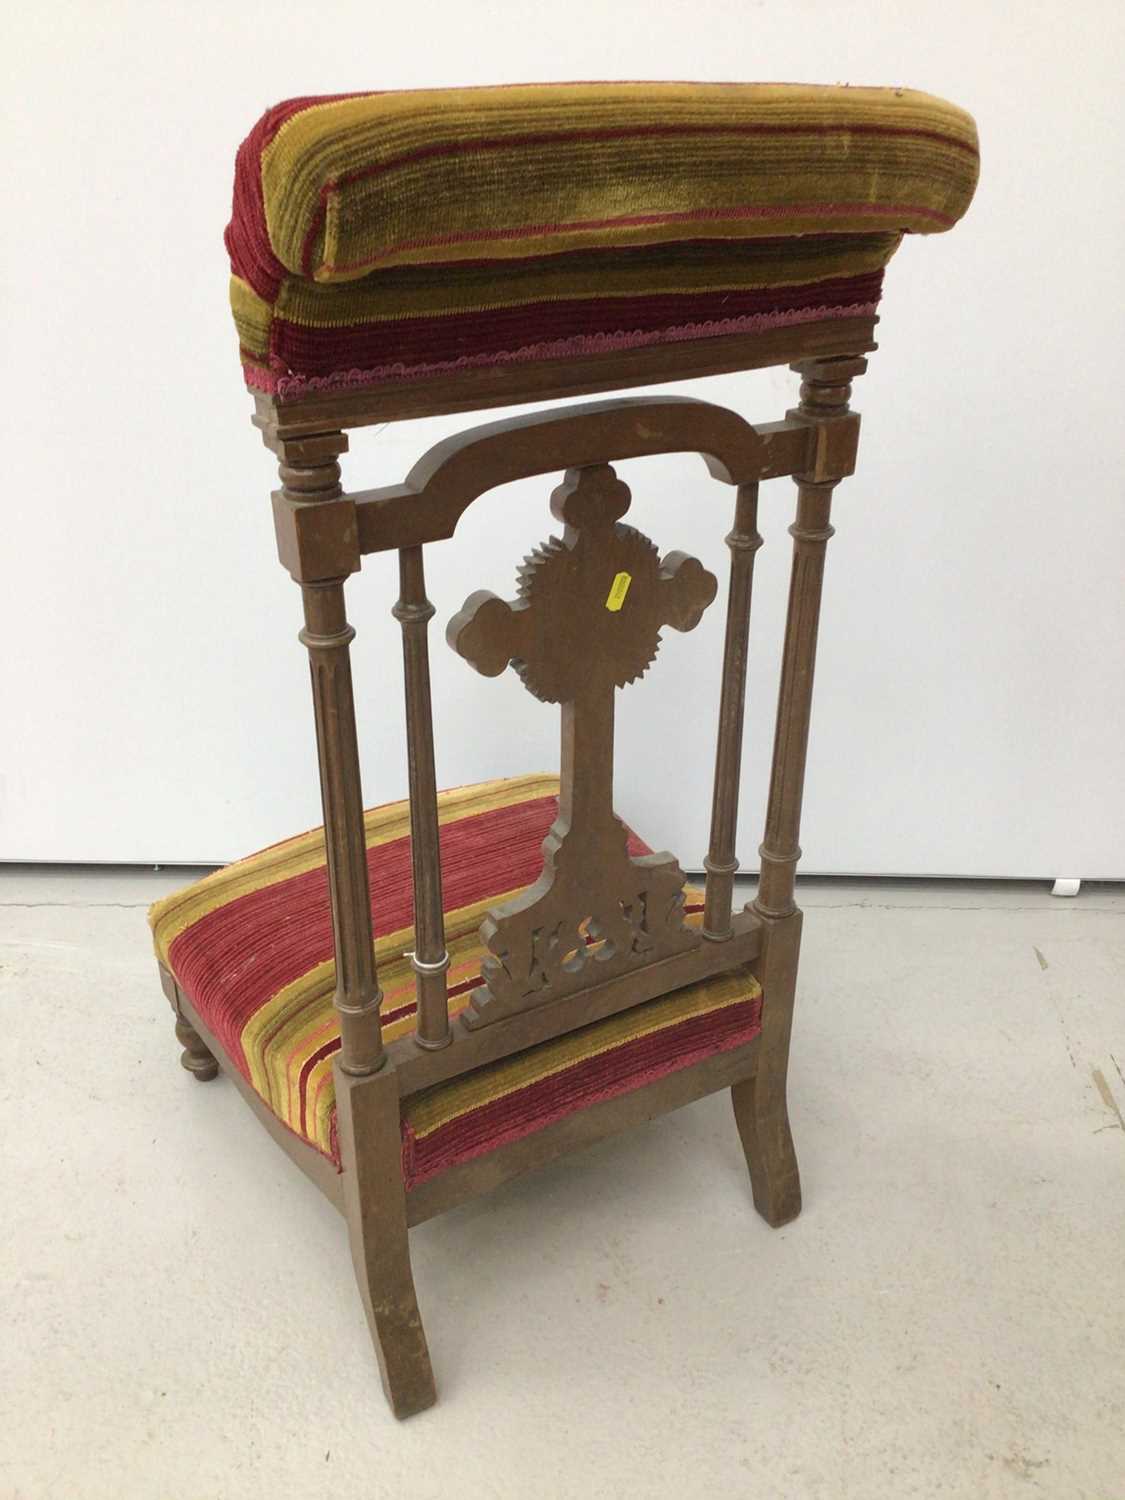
586 621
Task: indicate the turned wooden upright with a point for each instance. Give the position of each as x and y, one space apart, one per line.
310 480
824 405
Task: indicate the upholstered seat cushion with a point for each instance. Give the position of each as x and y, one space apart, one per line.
382 235
251 947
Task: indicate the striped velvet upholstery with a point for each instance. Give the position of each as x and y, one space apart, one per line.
386 235
251 946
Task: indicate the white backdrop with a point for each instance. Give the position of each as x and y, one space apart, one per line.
156 696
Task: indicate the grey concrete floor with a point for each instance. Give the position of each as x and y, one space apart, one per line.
945 1319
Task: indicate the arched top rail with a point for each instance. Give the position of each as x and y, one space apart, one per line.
445 481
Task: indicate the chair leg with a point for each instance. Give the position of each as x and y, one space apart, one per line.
196 1056
760 1108
367 1118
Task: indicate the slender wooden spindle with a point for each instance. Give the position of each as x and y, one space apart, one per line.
824 404
780 850
721 862
310 475
429 959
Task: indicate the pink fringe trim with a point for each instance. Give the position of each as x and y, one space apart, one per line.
289 387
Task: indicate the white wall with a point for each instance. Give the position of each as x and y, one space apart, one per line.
156 698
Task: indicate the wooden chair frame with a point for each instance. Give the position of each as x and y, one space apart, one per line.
322 536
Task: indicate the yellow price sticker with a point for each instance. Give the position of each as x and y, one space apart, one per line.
618 590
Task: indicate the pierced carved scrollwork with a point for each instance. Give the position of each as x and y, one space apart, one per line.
586 621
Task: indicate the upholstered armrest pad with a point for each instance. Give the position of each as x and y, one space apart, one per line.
332 189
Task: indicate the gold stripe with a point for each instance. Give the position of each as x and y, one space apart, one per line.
445 221
423 291
324 143
252 317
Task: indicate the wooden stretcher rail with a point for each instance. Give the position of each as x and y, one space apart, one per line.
428 504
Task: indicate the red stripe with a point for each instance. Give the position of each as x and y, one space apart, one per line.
291 387
236 958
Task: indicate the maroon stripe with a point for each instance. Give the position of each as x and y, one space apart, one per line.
321 351
328 1049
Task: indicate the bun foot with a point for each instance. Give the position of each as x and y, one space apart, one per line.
196 1057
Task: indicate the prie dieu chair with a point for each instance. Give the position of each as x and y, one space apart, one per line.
426 998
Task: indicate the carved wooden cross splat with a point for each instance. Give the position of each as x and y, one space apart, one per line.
586 621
